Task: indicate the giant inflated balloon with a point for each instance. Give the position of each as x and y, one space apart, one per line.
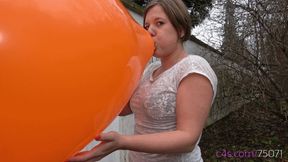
67 68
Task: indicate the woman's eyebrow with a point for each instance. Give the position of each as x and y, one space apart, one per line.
156 19
159 18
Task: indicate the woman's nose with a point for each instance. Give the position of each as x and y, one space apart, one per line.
152 31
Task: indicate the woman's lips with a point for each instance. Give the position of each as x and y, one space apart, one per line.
155 46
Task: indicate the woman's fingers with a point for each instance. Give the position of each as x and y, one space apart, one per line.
97 153
80 157
108 144
110 136
86 156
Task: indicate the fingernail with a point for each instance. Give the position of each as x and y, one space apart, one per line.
97 138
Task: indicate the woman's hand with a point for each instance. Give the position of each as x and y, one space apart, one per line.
110 142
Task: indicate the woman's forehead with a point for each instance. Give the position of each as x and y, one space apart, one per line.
155 13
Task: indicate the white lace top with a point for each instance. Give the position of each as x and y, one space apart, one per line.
154 104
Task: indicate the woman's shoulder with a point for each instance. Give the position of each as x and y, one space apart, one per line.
196 63
199 65
193 62
196 59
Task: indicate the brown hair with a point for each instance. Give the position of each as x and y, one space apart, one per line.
177 13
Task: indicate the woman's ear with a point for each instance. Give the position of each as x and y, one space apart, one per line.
181 33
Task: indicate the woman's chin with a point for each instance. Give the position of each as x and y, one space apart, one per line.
157 53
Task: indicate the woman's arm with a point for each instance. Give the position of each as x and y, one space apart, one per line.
194 99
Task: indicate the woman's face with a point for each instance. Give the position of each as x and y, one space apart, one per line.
164 34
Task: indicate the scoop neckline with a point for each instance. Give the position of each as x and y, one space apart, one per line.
151 79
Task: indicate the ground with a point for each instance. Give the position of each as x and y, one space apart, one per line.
250 131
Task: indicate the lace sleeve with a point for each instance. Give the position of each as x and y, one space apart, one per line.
197 64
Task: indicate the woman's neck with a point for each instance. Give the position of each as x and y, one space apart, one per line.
173 58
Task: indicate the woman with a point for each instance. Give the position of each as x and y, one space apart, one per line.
172 100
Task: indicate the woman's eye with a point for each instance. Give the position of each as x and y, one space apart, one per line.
146 27
159 23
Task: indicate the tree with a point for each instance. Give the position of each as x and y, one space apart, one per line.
255 36
199 9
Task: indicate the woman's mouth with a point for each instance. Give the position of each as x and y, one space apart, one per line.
155 46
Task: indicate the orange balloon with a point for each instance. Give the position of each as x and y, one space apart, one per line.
67 68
